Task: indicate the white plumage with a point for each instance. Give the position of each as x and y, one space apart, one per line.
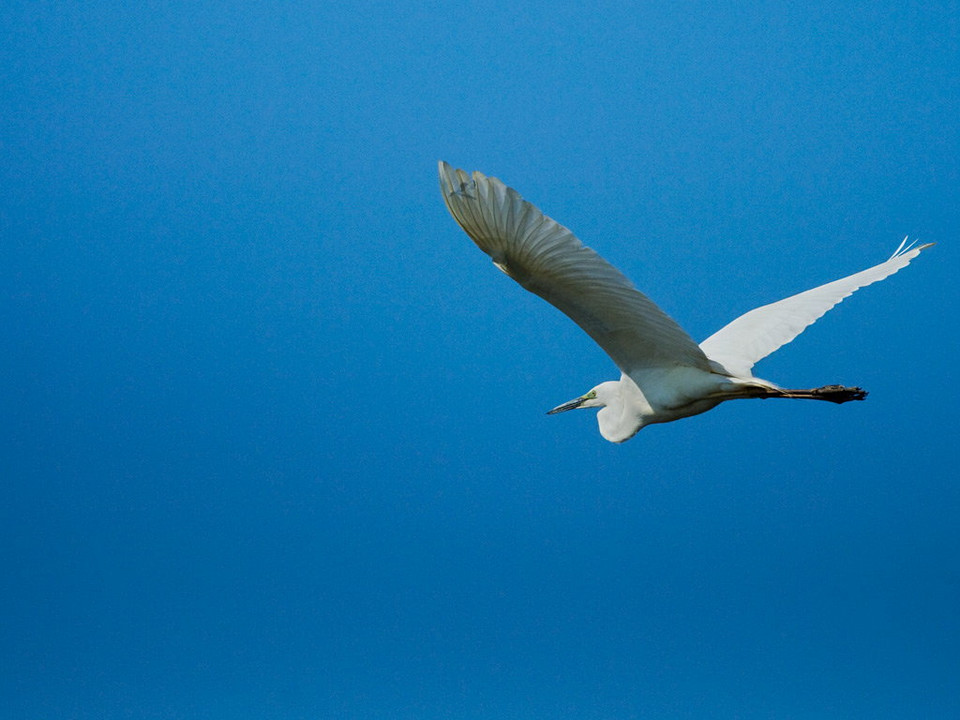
756 334
665 374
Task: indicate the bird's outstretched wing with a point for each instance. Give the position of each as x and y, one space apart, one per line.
756 334
547 259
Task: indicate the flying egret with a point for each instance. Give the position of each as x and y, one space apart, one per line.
665 375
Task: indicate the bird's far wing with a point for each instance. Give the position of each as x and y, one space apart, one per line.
547 259
758 333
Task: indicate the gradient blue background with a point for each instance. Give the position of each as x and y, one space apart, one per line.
273 442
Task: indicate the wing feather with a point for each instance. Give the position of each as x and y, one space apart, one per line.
547 259
756 334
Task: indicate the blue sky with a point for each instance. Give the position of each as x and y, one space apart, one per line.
274 442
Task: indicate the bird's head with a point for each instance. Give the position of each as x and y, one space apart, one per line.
598 397
617 422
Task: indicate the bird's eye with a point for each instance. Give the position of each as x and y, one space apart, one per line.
590 395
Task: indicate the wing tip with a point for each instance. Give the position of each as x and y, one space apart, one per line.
448 176
454 181
912 249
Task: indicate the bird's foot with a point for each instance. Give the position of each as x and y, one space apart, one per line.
838 393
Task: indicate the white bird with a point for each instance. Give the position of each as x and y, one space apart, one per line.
665 375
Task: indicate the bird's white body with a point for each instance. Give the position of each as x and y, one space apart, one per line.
665 375
666 394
